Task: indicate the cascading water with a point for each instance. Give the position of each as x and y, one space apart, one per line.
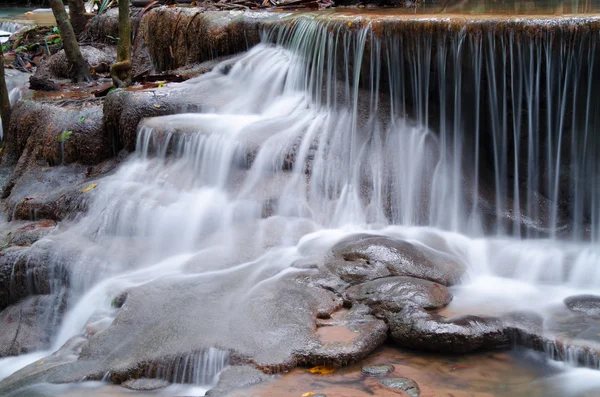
7 29
472 139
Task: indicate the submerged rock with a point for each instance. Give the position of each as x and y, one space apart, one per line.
378 370
145 384
587 304
408 386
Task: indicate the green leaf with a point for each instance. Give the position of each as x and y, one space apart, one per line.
57 40
64 136
56 30
82 119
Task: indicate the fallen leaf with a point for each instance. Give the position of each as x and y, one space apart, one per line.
321 370
156 105
40 363
308 394
89 187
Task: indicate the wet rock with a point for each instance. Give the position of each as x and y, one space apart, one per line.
414 327
361 258
26 271
16 276
172 35
29 232
119 301
102 27
587 304
524 322
54 133
393 293
60 367
57 67
236 377
49 193
408 386
345 340
378 370
124 109
145 384
22 325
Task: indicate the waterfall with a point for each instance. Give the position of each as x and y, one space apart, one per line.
478 139
7 29
512 107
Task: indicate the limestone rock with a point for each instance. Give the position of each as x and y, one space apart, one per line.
378 370
145 384
408 386
393 293
587 304
374 257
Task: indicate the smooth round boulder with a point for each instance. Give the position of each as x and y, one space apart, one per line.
586 304
393 293
377 370
375 256
408 386
415 328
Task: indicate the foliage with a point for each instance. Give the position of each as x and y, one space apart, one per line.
64 136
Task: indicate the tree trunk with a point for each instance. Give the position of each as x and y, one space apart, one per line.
76 13
4 99
78 62
121 70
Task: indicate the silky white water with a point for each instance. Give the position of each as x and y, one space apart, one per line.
289 156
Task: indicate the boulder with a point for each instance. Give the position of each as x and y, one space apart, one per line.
587 304
377 370
406 385
57 67
344 338
361 258
391 294
416 328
